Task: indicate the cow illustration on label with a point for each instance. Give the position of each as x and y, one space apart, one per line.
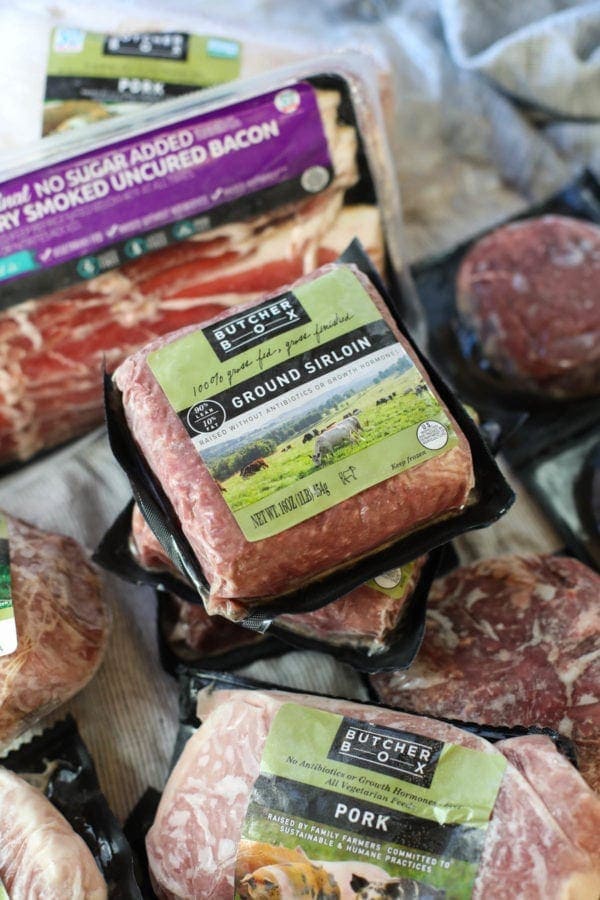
335 436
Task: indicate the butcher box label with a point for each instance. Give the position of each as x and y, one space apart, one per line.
8 628
93 76
320 404
411 757
93 212
337 824
249 329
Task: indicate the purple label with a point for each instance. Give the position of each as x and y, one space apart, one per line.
162 186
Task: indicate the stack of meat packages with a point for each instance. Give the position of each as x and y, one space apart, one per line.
511 650
53 345
510 641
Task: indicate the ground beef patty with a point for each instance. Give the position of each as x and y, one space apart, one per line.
531 293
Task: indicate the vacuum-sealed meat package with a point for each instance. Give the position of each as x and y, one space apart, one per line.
59 839
378 626
294 437
513 320
511 639
116 235
54 623
301 795
530 293
40 854
364 619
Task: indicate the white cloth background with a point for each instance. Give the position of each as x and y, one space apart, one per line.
495 104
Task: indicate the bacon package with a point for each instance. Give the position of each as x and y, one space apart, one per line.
293 794
511 639
294 439
54 623
116 235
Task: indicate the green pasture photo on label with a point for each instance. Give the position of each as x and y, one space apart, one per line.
380 408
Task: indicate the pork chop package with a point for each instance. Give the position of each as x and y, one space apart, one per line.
514 325
54 623
115 235
288 453
58 836
283 793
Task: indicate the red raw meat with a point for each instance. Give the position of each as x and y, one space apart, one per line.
531 293
364 618
41 857
512 640
527 853
62 626
241 572
193 634
52 348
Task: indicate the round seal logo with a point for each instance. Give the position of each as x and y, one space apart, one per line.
205 417
389 579
432 434
314 179
287 101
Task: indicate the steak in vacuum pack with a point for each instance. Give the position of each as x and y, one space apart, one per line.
54 623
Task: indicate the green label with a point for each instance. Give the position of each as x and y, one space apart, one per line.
3 892
341 805
301 402
91 75
8 630
394 582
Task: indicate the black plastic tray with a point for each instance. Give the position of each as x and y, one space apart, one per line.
491 497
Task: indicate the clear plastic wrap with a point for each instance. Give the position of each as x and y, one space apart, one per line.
295 564
248 764
508 639
81 288
62 625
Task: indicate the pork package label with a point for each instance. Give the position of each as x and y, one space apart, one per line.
8 628
93 212
3 892
301 402
92 76
342 806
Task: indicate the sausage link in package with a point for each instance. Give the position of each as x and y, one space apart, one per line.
288 453
121 233
350 799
